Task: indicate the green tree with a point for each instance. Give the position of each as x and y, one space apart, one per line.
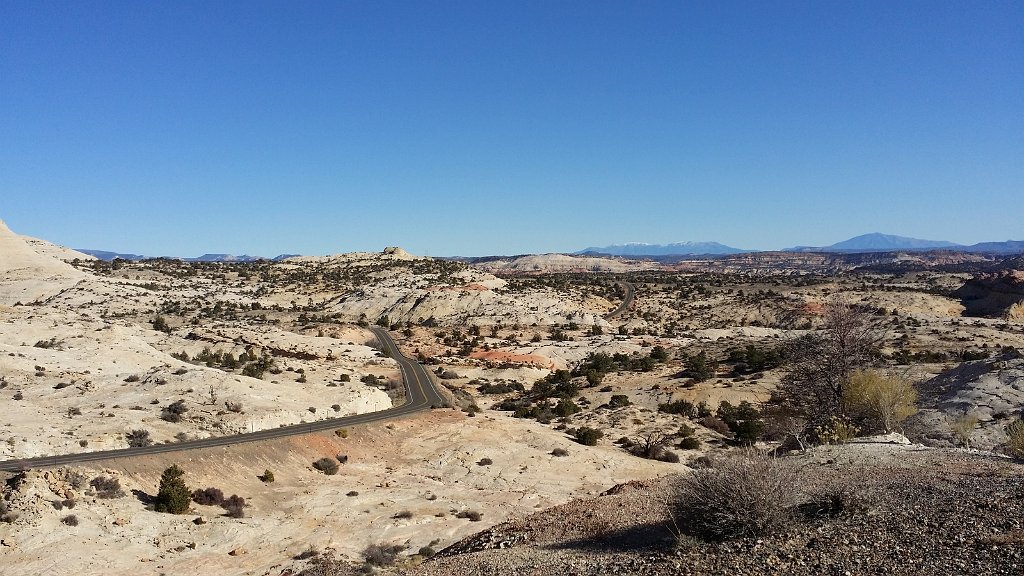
699 367
174 495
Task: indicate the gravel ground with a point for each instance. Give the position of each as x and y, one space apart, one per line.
916 512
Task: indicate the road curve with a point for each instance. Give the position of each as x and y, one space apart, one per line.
626 302
420 394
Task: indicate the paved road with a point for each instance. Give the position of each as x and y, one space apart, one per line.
420 394
626 302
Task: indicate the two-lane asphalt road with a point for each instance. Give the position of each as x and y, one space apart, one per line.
420 394
626 302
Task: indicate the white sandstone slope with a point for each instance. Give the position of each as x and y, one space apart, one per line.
31 271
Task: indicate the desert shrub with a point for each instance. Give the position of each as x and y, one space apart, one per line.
76 479
404 515
233 406
342 458
833 501
962 428
234 505
560 452
471 515
327 565
173 495
485 462
138 438
1015 438
18 396
106 487
208 497
341 432
743 420
57 504
618 401
70 520
835 431
68 503
159 323
352 493
588 436
668 456
749 494
689 443
51 343
173 411
878 400
715 424
328 466
336 407
133 378
500 388
681 407
427 552
565 407
382 554
267 477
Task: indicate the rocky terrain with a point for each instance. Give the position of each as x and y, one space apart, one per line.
552 404
903 509
998 294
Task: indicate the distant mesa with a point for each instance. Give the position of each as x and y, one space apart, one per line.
673 249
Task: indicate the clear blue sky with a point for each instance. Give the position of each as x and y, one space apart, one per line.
485 127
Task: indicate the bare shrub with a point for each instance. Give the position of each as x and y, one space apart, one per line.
106 487
878 400
328 466
1015 438
403 515
560 452
234 505
715 424
70 520
747 494
382 554
485 462
327 565
208 497
471 515
962 428
820 364
233 406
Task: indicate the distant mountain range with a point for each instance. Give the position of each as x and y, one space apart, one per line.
874 242
673 249
105 255
877 242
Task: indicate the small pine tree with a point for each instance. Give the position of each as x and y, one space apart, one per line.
173 496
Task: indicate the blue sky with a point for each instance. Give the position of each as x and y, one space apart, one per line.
508 127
